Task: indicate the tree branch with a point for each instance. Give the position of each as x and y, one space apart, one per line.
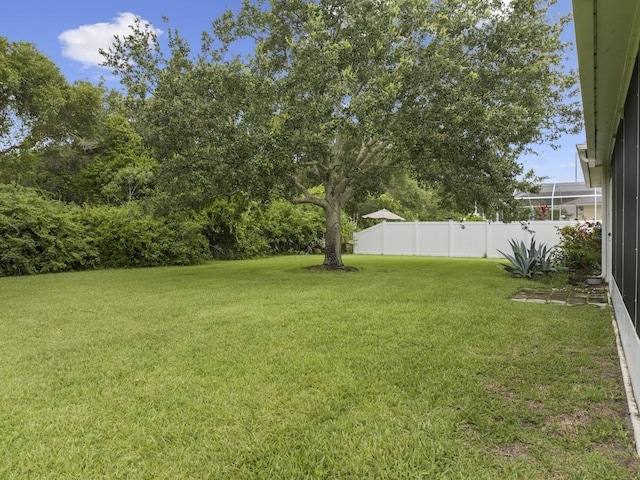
308 196
369 151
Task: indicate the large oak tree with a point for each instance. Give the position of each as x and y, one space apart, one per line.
339 93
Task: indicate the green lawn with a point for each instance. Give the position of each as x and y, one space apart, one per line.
408 368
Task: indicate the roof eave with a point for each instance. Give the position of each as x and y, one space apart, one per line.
607 42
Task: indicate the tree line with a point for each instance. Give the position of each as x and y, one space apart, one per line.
338 108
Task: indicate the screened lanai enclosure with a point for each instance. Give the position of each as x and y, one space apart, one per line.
563 201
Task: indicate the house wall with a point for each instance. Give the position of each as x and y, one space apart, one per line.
590 212
624 228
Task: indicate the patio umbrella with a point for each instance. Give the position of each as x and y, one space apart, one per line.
383 214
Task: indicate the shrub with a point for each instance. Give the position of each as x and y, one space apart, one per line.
293 228
184 243
277 227
290 228
230 230
531 261
38 235
128 237
580 248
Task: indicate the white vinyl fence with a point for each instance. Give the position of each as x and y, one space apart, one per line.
453 239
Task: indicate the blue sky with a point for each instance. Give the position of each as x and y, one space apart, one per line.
70 32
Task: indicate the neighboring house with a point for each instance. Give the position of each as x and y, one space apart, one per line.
567 201
608 35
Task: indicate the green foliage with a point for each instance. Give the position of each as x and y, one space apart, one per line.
293 228
131 182
228 228
195 116
38 235
407 198
46 124
121 169
128 237
474 217
32 92
341 94
64 138
529 261
237 229
580 248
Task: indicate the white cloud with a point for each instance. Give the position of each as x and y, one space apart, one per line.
83 44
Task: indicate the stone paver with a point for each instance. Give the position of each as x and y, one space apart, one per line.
577 300
593 296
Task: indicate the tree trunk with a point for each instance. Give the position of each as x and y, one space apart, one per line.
333 236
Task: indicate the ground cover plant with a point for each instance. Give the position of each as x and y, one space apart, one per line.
406 368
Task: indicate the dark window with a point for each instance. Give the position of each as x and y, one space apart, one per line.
616 220
630 196
625 176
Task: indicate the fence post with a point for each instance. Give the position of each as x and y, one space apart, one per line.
488 240
450 239
383 229
416 239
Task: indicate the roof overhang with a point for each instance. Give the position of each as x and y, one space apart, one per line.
607 38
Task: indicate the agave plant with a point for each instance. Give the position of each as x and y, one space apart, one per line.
527 262
545 259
